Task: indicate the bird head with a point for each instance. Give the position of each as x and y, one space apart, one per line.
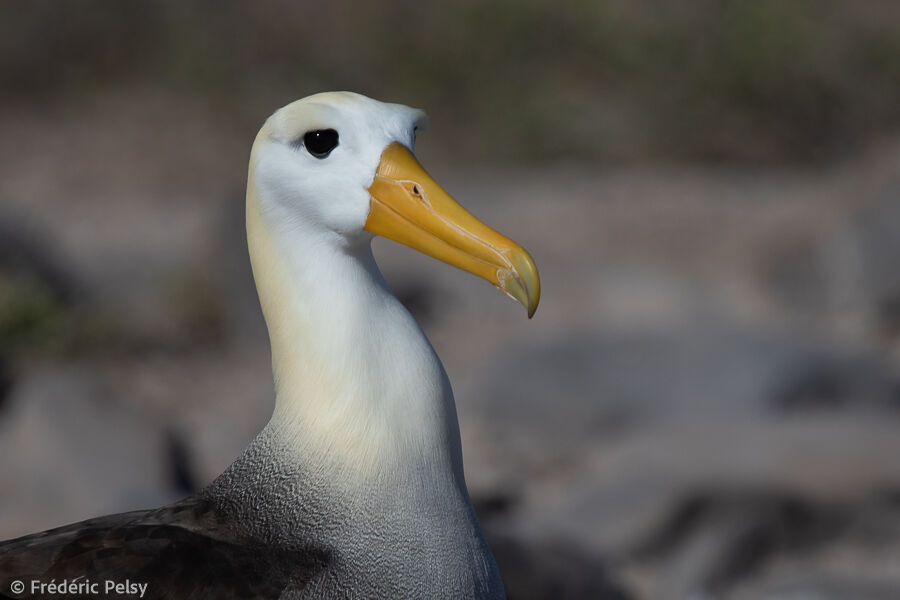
342 165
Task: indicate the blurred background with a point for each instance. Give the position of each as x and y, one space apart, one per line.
707 402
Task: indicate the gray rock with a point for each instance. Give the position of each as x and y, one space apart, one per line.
70 453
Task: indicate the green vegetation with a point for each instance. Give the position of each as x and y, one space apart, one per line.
31 317
752 80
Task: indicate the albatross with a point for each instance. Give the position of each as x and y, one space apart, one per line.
355 487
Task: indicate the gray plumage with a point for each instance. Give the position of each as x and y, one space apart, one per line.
265 529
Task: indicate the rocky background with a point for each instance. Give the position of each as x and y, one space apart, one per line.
707 402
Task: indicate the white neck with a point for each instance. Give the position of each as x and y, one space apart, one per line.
359 389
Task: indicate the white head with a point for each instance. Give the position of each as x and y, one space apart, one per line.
340 165
315 158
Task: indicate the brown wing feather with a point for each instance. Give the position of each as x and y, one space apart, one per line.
184 551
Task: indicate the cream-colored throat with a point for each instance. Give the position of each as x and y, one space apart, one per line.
358 386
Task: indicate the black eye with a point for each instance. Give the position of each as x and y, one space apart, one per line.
321 142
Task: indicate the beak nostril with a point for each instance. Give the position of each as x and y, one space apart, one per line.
413 189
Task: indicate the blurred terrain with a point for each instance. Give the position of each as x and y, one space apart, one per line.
707 402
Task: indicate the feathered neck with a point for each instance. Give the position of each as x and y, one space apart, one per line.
359 389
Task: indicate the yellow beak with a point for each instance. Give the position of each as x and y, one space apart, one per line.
409 207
